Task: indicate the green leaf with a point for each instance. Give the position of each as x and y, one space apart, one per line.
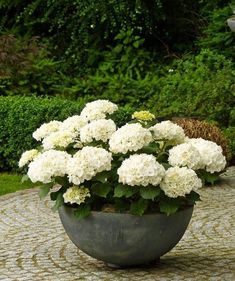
44 190
166 165
138 208
25 178
151 148
169 206
113 176
149 192
124 191
101 189
136 44
192 197
207 177
118 48
53 195
82 211
101 177
58 203
211 178
121 205
63 181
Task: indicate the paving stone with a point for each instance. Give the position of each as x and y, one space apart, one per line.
34 246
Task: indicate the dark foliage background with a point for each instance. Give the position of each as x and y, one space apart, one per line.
173 57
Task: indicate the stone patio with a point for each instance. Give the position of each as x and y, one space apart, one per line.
34 246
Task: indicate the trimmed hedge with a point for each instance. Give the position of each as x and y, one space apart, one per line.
21 116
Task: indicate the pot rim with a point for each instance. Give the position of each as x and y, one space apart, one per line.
128 214
231 19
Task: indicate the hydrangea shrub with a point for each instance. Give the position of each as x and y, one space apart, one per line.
138 168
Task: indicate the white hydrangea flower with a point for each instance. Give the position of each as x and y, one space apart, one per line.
185 155
28 156
101 129
47 165
76 195
60 139
168 131
87 162
141 170
212 158
180 181
73 124
98 109
130 137
46 129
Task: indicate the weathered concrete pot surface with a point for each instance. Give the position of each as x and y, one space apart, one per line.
231 23
124 239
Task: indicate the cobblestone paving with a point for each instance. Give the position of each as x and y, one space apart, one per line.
34 247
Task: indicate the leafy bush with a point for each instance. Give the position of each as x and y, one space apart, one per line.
79 30
217 35
230 135
20 116
126 57
201 86
26 68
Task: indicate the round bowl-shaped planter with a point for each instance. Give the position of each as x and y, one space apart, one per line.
231 23
123 239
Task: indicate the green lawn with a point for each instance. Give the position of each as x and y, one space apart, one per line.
11 183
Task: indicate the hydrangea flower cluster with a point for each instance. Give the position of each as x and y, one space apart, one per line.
46 129
143 115
47 165
73 124
99 130
185 155
212 158
141 170
88 162
168 131
130 137
28 156
59 139
136 165
98 110
76 195
180 181
198 154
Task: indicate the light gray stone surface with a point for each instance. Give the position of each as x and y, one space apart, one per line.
34 246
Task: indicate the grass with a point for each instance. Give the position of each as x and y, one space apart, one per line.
10 182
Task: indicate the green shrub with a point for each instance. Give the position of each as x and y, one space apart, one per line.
21 116
230 135
217 35
79 30
26 68
202 86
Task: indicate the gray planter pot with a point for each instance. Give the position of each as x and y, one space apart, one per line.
123 239
231 23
